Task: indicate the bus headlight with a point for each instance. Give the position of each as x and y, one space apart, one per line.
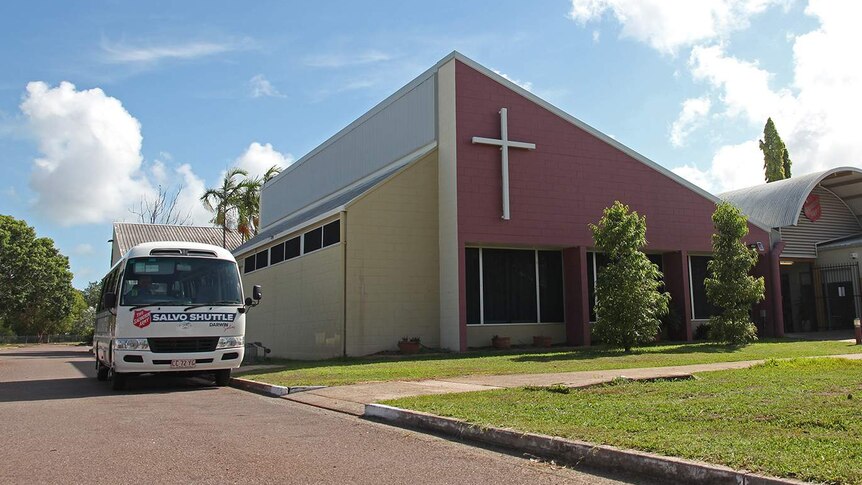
131 344
230 342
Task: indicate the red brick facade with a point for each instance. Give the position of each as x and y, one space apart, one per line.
560 187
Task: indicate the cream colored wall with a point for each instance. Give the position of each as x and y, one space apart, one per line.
301 313
450 313
827 257
480 335
392 262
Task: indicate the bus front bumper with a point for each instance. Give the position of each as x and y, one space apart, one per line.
137 361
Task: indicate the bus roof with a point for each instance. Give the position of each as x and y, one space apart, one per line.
163 248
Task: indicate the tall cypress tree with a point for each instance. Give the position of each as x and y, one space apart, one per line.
786 163
776 159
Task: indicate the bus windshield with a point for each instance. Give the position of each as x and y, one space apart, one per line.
174 281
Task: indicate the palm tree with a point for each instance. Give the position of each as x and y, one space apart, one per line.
248 203
222 200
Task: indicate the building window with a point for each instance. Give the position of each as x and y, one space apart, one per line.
248 267
262 260
331 233
701 307
292 248
312 240
276 253
514 286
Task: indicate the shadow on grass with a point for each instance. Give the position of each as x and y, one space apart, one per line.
558 354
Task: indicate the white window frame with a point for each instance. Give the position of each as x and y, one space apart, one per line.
538 289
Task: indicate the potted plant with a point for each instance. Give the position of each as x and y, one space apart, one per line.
409 345
501 342
541 341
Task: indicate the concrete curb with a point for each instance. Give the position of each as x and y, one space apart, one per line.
268 389
676 470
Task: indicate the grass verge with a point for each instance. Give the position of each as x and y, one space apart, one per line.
798 418
430 366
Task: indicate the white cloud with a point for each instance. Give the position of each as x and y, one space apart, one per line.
261 87
257 159
123 53
733 167
89 169
744 86
189 198
817 119
524 84
344 60
694 110
667 25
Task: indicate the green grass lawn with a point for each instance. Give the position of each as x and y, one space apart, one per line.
387 368
800 418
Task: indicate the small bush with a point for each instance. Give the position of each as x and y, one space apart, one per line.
702 331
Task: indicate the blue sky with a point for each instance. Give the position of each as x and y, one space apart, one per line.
102 102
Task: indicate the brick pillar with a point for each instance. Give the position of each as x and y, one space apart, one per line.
774 281
577 296
676 274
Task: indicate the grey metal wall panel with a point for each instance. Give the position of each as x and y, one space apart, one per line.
836 221
398 129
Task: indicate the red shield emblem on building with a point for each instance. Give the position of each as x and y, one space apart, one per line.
142 318
811 208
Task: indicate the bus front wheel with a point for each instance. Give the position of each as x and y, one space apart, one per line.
118 381
222 377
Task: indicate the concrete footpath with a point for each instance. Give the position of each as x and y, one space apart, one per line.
351 399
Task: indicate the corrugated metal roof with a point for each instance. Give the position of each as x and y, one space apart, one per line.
128 235
778 204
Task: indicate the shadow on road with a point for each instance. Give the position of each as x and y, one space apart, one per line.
86 387
49 354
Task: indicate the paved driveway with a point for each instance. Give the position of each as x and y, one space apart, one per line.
60 425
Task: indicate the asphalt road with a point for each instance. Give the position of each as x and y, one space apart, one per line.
60 425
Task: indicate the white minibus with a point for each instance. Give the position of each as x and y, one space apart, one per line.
171 307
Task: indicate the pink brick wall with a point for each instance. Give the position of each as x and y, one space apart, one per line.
563 185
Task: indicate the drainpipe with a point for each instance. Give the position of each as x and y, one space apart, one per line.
775 287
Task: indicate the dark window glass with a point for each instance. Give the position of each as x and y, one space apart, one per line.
313 240
656 259
702 307
509 284
331 233
600 261
551 286
276 253
291 248
178 281
262 260
471 263
248 267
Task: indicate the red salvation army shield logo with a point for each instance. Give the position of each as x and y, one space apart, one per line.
142 318
811 208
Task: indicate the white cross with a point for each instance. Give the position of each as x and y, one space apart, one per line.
504 143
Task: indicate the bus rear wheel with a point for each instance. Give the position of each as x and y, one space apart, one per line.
222 377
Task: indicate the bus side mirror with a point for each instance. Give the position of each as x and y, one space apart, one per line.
109 300
256 293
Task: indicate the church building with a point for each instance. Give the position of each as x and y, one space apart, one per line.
457 209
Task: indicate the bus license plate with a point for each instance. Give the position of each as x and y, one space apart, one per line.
182 363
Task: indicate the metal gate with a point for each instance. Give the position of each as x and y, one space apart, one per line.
837 295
